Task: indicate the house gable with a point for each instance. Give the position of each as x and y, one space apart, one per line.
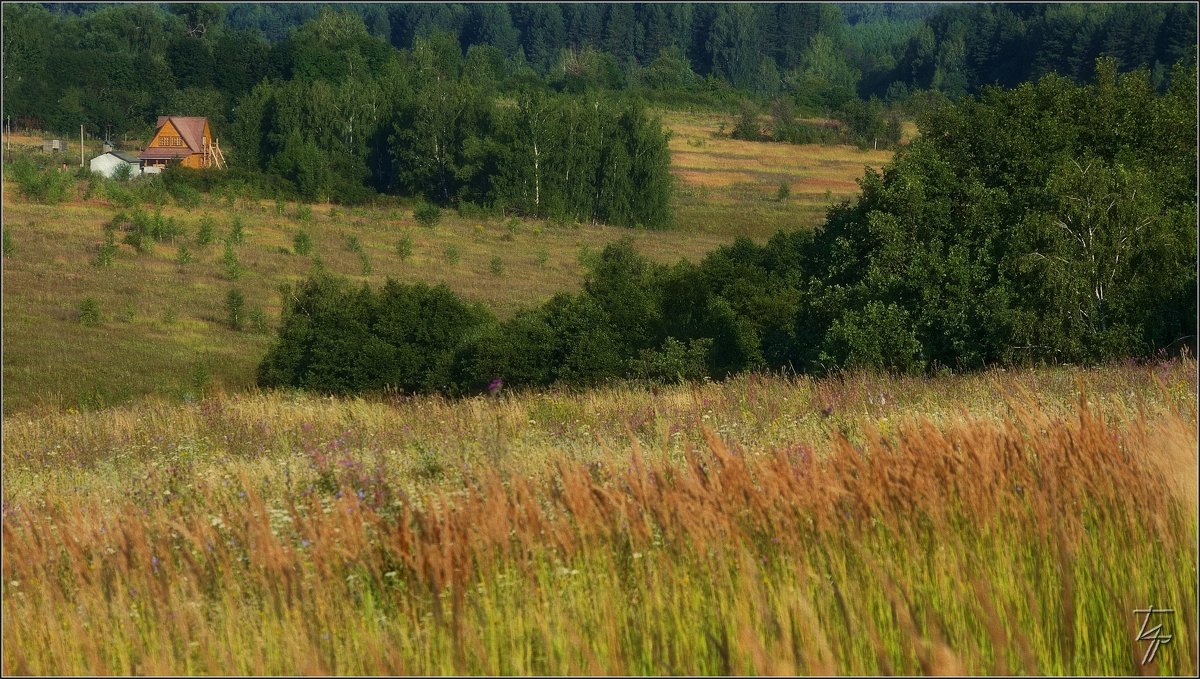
167 136
184 138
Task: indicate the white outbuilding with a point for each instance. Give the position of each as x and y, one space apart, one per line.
107 163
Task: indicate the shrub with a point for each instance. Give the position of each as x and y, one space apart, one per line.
108 249
588 258
137 239
207 231
470 210
543 256
451 255
89 312
496 266
338 339
427 214
280 206
675 361
747 127
235 305
258 320
151 190
303 213
237 234
233 268
404 247
183 255
784 191
185 196
302 243
365 263
49 186
880 336
120 196
8 243
353 244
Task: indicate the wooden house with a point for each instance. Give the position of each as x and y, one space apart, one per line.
187 140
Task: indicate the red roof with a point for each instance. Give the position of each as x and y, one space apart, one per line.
191 128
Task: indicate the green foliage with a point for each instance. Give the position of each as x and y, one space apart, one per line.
185 196
675 361
258 321
89 312
8 243
334 338
784 191
878 337
49 186
229 260
237 235
404 247
108 249
303 213
302 243
747 127
427 214
496 266
143 229
542 257
123 172
183 255
207 231
450 254
235 306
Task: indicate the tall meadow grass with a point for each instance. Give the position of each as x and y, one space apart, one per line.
997 523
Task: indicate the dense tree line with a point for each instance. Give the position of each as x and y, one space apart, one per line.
965 47
116 67
356 116
1048 223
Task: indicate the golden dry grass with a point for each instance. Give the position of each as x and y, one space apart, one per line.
165 323
998 523
726 185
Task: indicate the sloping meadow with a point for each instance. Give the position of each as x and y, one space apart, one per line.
993 523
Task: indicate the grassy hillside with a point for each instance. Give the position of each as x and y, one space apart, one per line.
727 185
164 325
995 523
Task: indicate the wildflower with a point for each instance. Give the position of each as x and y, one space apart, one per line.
495 386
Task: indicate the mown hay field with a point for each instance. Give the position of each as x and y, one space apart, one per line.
1003 522
726 185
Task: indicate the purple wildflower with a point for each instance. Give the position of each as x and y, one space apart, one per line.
495 386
